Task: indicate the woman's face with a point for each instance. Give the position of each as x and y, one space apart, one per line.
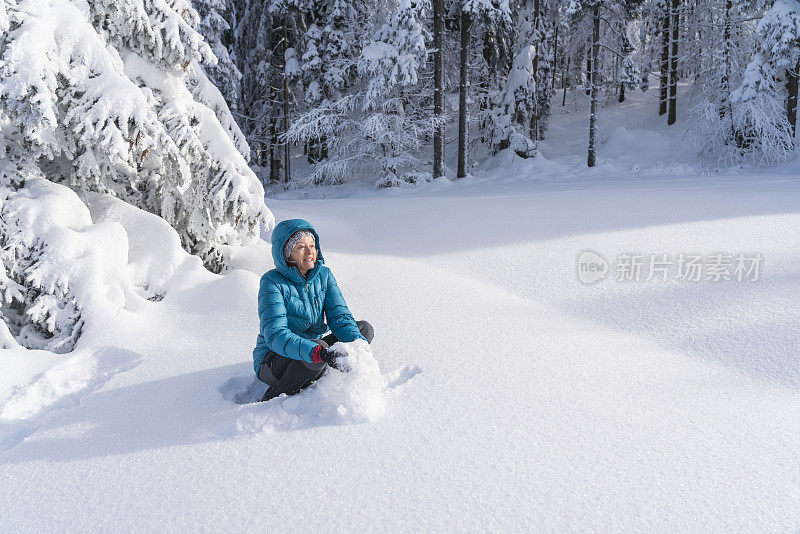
304 254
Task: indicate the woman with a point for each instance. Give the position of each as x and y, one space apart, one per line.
292 299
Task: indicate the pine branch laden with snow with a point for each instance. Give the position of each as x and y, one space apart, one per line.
111 98
779 31
42 278
311 65
38 306
339 41
491 11
161 31
398 51
71 263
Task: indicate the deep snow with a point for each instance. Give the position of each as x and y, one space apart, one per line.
508 395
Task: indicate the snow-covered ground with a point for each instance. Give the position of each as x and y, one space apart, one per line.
509 395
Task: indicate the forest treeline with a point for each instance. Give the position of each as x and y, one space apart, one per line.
373 86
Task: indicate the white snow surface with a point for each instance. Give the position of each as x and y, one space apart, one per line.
499 393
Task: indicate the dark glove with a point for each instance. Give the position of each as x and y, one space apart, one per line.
332 358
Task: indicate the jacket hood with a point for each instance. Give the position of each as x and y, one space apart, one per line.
280 235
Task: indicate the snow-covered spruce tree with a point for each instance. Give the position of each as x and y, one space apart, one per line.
606 22
572 46
108 96
377 129
259 56
216 19
520 110
728 38
779 32
652 34
751 123
538 20
593 78
487 16
676 46
342 24
628 73
546 23
761 133
252 52
330 42
311 66
511 118
284 62
438 88
38 305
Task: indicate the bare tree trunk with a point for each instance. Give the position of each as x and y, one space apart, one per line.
565 82
555 59
791 103
589 66
726 57
616 56
533 126
274 110
286 146
593 82
673 63
438 88
311 150
620 30
662 102
274 155
463 88
263 151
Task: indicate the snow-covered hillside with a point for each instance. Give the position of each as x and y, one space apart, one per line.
508 395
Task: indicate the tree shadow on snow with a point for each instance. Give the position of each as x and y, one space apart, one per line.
749 327
543 212
202 406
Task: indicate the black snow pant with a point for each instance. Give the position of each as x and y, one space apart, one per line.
287 375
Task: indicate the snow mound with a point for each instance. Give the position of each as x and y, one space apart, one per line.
61 272
635 143
154 251
357 395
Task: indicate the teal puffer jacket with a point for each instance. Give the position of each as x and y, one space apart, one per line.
291 308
